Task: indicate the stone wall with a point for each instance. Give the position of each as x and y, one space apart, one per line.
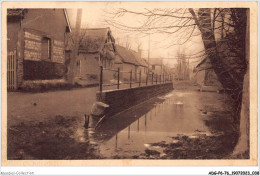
42 70
120 100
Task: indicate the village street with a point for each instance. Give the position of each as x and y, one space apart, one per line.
25 106
37 107
184 123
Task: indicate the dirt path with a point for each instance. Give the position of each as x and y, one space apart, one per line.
38 107
43 125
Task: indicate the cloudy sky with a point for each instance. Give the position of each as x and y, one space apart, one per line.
94 15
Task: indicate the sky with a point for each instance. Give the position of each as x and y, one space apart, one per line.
95 13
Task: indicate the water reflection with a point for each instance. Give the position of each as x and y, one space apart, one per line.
112 126
156 120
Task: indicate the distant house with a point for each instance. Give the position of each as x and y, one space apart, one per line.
156 65
96 48
129 62
35 46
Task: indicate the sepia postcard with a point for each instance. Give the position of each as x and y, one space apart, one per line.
129 83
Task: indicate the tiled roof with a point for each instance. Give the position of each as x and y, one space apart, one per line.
92 40
139 59
126 55
19 13
118 60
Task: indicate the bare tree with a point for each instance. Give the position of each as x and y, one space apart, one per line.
127 43
227 56
139 44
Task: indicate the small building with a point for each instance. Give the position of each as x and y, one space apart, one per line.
129 63
142 67
156 65
35 46
96 48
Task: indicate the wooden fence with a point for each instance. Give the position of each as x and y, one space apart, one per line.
11 71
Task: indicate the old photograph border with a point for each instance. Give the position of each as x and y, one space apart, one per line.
253 161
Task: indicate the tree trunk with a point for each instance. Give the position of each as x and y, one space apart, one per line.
225 77
242 148
203 22
223 71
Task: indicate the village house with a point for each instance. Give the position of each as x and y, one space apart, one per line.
129 63
142 67
156 65
96 48
160 70
35 46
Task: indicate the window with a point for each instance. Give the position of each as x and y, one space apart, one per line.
46 48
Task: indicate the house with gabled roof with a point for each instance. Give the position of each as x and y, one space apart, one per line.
35 46
128 62
96 48
142 66
156 65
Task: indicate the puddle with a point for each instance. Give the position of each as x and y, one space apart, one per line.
132 133
147 129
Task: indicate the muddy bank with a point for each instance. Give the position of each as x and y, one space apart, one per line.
217 145
48 140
